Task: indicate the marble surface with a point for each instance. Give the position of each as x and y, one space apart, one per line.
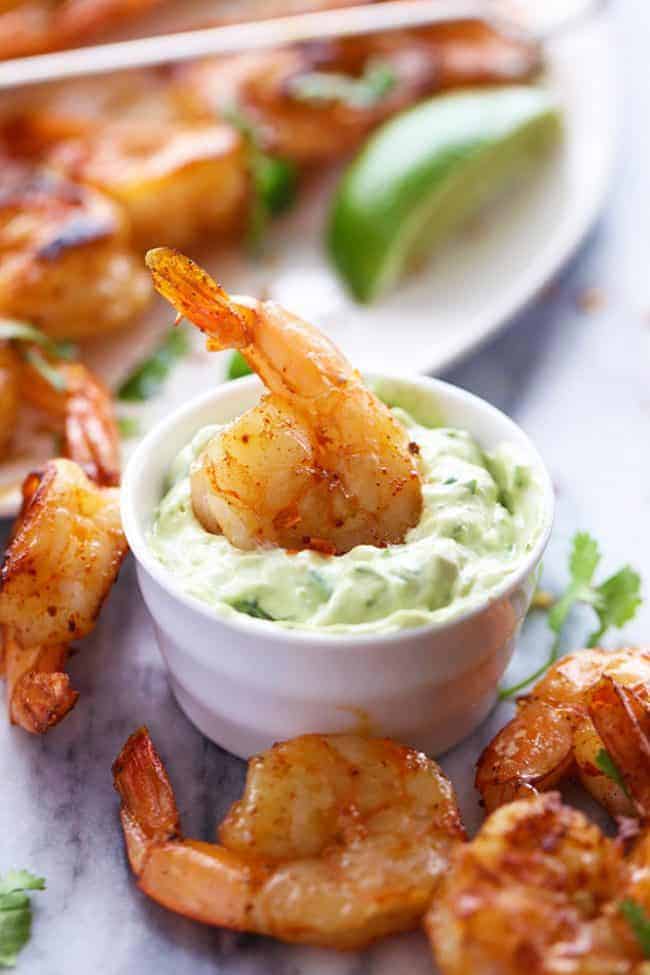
579 383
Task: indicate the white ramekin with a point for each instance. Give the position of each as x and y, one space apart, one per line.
246 683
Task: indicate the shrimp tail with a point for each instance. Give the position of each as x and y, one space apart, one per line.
148 810
199 880
623 722
39 691
91 435
144 787
197 297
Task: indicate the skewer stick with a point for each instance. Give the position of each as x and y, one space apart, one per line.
368 18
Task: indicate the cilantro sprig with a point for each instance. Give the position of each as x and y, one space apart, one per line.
16 913
40 349
273 179
606 764
237 366
251 607
128 427
147 378
376 82
615 601
639 921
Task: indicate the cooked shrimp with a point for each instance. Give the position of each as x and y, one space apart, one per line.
60 565
621 716
65 260
267 86
82 409
538 892
153 169
32 26
553 733
9 395
320 462
540 889
337 840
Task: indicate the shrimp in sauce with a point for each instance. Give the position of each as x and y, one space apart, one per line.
321 462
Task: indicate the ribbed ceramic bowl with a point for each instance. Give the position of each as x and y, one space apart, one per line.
246 683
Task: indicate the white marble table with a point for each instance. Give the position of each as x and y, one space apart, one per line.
579 383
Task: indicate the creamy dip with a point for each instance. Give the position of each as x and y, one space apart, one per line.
481 516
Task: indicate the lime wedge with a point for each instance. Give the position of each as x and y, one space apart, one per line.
425 172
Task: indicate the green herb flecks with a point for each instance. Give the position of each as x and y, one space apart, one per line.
320 583
606 764
46 370
251 607
237 366
40 349
128 427
376 82
273 180
639 921
615 601
16 913
146 380
12 330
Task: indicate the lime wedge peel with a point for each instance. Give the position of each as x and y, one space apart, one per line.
424 173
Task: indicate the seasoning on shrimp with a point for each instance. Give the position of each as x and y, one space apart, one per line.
554 733
337 840
540 889
59 567
66 548
320 462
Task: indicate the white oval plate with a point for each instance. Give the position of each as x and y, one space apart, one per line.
465 294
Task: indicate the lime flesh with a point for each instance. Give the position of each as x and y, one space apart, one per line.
428 170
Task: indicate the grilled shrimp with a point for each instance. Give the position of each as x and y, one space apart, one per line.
148 143
9 395
540 889
311 131
65 259
554 734
320 462
536 891
32 26
337 840
82 411
63 558
175 182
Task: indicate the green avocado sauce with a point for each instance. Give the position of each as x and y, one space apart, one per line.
481 516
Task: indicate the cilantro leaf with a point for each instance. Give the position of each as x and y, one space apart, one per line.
40 347
615 601
377 80
251 607
606 764
145 381
46 370
237 366
273 179
128 427
16 913
583 563
638 920
12 330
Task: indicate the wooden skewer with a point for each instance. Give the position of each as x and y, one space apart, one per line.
367 18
